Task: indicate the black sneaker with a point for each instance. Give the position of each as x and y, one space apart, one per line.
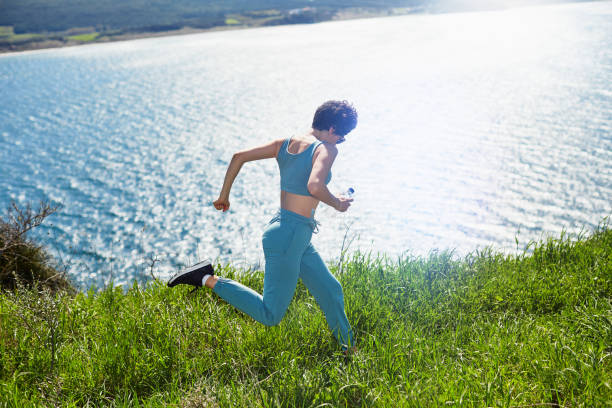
192 275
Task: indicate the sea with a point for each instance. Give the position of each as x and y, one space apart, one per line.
477 131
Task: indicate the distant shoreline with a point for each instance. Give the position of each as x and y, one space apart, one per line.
65 39
11 42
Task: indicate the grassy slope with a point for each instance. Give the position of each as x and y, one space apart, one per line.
487 330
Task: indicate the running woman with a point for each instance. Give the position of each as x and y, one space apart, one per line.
305 170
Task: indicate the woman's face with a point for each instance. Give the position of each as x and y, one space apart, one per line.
337 139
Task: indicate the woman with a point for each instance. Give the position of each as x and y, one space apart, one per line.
305 168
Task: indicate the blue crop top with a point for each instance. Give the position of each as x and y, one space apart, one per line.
295 168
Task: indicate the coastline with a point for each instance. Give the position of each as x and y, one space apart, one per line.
11 42
67 39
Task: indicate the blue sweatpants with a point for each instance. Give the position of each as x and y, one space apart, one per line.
289 256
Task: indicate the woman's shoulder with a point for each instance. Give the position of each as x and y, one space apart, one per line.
328 149
297 145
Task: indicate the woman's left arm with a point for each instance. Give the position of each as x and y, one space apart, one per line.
321 165
266 151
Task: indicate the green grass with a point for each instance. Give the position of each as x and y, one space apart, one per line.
22 38
486 330
231 21
84 37
6 31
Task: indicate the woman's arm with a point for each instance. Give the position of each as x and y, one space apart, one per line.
321 165
266 151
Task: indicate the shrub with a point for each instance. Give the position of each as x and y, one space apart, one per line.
21 259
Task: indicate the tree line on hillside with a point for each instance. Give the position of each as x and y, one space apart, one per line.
37 16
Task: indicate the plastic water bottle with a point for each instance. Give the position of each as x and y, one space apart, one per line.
349 193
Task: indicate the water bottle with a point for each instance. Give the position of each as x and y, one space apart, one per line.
349 193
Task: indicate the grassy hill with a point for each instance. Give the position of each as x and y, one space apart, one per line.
489 330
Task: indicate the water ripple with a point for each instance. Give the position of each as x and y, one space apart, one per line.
472 132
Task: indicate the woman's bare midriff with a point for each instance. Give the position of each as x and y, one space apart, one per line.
299 204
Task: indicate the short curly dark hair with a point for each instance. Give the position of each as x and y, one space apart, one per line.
341 115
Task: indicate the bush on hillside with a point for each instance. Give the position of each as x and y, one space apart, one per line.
22 261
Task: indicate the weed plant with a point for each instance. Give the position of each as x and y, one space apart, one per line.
486 330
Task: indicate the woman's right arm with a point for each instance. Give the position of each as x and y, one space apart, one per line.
266 151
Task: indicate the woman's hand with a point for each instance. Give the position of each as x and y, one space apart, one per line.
343 204
222 204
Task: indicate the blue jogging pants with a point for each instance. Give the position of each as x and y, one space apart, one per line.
290 255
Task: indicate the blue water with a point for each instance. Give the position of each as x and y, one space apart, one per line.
475 129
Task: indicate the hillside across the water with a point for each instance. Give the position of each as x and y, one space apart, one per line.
29 24
35 24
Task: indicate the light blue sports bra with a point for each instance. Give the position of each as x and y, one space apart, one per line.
295 168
